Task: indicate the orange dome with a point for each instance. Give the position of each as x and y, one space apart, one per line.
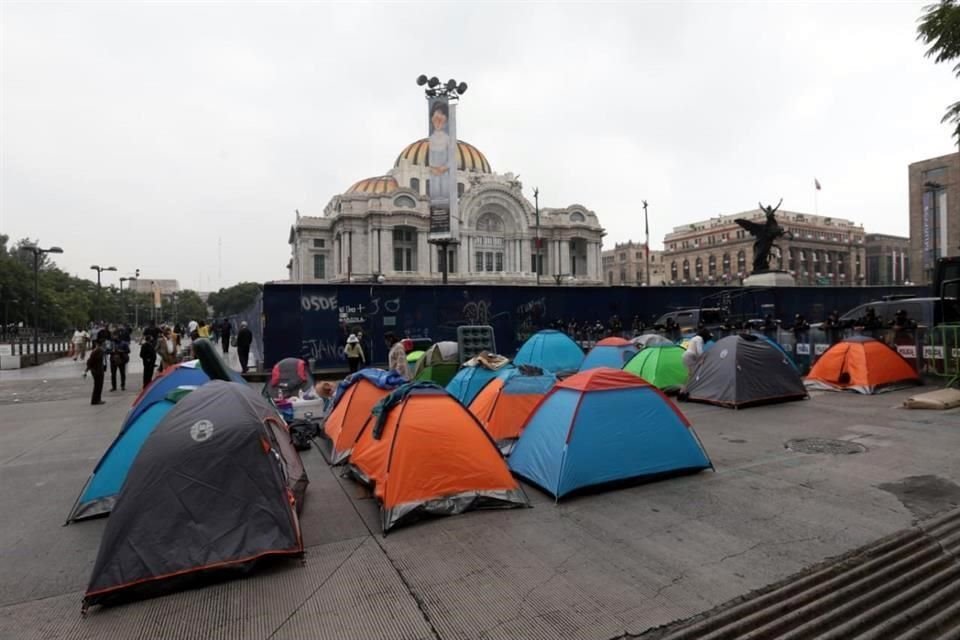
378 184
469 157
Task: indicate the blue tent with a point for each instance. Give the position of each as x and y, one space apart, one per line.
187 374
551 351
603 426
609 352
470 380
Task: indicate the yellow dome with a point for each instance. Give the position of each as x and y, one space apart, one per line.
378 184
469 157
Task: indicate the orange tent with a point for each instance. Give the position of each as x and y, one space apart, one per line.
504 405
426 454
861 364
347 418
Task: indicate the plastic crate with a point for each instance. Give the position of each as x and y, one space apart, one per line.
473 339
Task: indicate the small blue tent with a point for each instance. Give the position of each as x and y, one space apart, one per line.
603 426
551 351
470 380
609 352
103 485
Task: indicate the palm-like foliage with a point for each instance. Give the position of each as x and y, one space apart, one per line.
939 29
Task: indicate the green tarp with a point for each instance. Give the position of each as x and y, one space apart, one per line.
660 366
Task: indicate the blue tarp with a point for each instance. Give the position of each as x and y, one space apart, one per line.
608 355
551 351
470 380
384 379
578 439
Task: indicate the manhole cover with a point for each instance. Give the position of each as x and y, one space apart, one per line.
824 445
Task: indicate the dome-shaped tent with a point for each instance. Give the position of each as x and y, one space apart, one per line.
743 370
861 364
440 459
661 366
504 405
215 487
356 396
551 351
604 426
609 352
470 380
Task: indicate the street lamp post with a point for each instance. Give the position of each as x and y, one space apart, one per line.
37 252
100 270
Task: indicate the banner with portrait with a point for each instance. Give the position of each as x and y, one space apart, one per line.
442 166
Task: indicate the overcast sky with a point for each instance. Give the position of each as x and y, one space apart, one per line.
144 135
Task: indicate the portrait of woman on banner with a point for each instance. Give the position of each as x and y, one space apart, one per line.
439 154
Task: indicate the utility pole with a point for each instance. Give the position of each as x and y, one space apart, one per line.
646 244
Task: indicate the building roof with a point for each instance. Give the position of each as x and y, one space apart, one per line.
469 158
376 184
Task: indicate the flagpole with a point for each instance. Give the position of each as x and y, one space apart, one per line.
646 230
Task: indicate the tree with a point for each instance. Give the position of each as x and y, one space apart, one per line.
183 307
939 30
235 299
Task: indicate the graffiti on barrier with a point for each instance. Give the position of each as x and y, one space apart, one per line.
321 350
318 303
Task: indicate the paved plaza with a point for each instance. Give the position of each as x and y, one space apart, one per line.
607 565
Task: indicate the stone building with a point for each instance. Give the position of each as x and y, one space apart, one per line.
822 251
378 230
145 285
624 265
934 194
888 259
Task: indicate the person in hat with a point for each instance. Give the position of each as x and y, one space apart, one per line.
354 352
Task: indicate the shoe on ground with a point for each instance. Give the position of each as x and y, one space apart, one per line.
96 403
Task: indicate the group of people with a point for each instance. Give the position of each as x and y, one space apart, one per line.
396 357
160 347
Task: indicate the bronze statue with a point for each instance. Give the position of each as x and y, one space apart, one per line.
765 234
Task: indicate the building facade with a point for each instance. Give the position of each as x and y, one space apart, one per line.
624 265
145 285
821 250
934 191
378 230
888 259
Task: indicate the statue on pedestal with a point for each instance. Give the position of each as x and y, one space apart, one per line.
764 235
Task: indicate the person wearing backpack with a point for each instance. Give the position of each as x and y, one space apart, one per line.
95 367
119 358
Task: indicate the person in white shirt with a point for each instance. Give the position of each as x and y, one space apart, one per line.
397 358
691 357
80 338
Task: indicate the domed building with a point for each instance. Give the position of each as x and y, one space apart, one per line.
379 227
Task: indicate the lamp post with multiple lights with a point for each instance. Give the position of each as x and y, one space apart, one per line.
100 270
37 252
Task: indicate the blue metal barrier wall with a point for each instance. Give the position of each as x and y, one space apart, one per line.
313 321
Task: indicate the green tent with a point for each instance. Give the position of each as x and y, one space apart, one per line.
661 366
414 356
439 364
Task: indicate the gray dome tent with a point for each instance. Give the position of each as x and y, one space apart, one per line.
213 489
743 370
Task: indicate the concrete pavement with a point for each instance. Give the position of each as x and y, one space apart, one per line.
594 567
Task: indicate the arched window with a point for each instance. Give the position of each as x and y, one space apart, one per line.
576 216
488 255
711 265
415 184
460 189
404 202
699 267
404 249
741 262
726 263
686 269
673 270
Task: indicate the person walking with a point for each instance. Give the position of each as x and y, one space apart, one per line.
168 349
95 368
79 344
225 330
397 357
119 358
691 357
148 355
244 340
354 352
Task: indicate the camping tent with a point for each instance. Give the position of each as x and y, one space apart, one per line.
440 460
439 363
861 364
185 374
551 351
504 405
209 491
356 396
609 352
288 377
470 380
661 366
651 340
743 370
603 426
